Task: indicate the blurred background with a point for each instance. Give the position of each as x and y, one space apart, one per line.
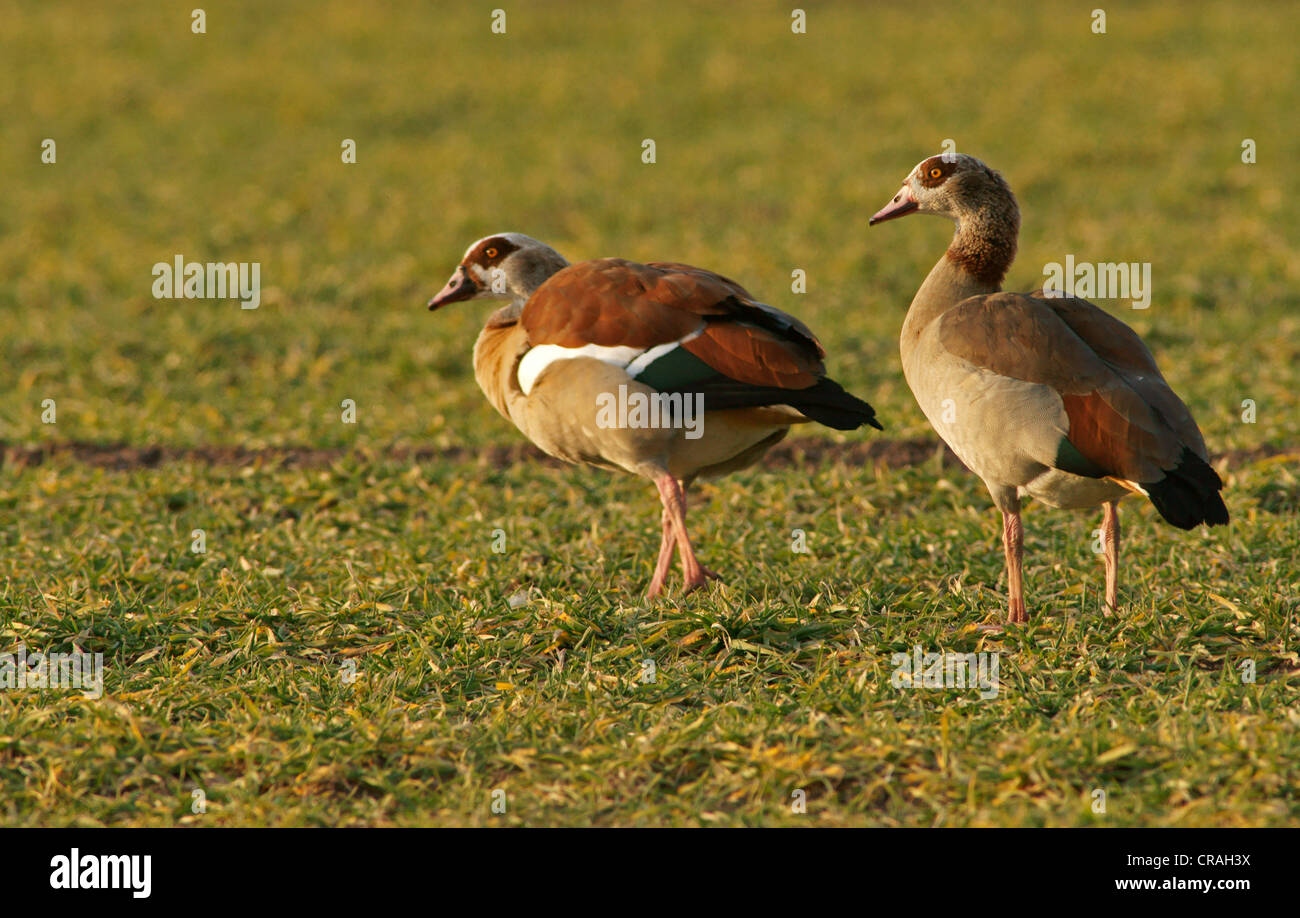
772 150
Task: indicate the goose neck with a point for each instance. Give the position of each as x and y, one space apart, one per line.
982 249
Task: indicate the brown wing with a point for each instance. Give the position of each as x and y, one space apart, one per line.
616 303
1121 348
1123 417
756 356
763 314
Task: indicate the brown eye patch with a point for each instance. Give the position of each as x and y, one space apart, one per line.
490 251
935 171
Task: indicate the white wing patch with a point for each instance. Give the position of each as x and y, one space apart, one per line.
633 360
638 366
539 358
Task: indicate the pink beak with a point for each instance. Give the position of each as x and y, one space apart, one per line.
460 287
902 205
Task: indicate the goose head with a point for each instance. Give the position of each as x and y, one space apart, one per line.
953 185
505 266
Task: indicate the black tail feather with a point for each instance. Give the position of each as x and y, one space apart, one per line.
827 402
1189 495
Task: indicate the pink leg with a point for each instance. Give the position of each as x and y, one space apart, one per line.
707 573
1110 550
1013 543
665 558
674 499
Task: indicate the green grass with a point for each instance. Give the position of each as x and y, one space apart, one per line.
370 545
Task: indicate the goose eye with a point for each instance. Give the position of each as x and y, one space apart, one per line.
935 172
490 253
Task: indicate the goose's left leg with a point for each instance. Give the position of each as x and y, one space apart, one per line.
674 500
1110 551
1013 546
666 545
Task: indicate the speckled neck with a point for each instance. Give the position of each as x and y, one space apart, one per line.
984 246
976 262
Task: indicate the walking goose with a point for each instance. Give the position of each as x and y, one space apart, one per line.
1039 394
662 370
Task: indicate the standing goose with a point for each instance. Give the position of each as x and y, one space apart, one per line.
1038 394
719 377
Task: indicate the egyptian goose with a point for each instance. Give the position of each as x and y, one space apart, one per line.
578 344
1040 395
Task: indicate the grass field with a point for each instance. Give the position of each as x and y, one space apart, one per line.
335 549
